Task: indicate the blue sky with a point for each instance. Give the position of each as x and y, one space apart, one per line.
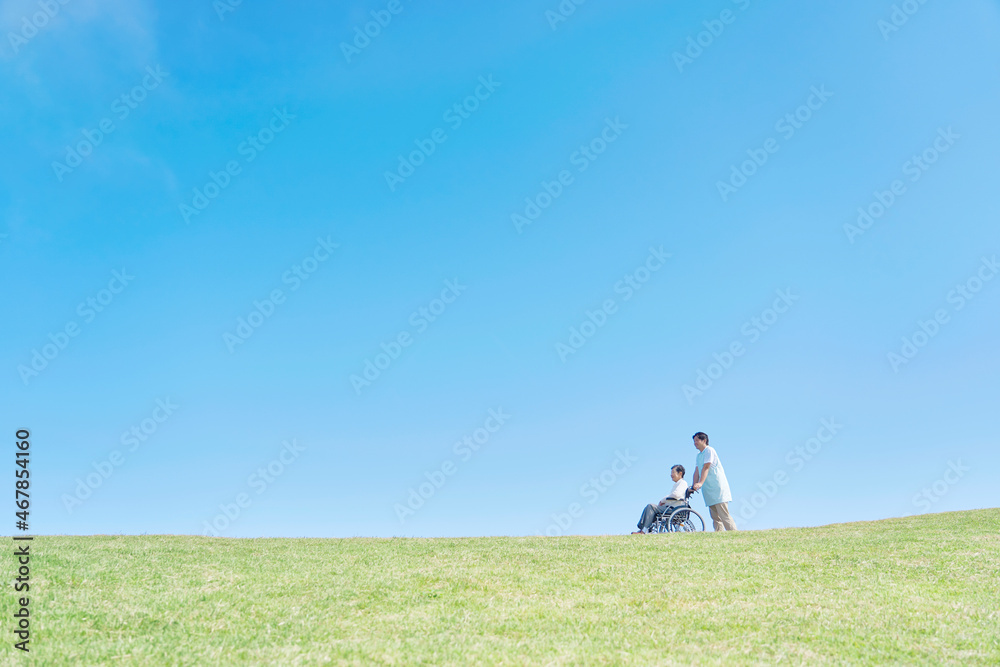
293 135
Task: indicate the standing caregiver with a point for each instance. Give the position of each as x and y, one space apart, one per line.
710 478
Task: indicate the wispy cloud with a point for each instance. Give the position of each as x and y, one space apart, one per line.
31 29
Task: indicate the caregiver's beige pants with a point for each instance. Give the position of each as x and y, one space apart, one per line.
721 518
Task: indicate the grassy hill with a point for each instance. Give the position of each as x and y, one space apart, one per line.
921 590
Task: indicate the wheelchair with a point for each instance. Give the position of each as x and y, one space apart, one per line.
679 519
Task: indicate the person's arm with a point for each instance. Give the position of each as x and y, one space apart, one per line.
700 481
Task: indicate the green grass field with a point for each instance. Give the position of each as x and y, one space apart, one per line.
922 590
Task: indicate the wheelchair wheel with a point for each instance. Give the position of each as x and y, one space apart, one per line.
685 520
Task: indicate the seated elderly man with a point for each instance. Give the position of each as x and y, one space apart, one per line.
674 498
